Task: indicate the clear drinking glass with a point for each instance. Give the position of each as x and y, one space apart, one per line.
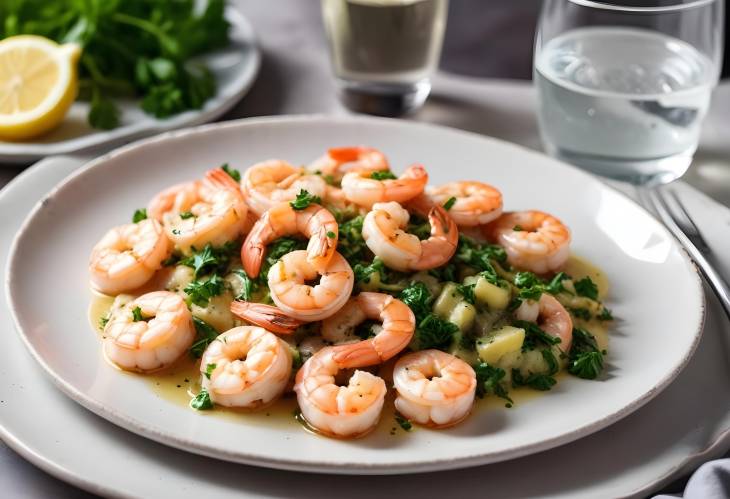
384 51
623 86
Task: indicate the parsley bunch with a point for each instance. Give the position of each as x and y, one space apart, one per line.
431 330
585 360
131 48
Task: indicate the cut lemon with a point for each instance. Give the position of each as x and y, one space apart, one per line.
38 83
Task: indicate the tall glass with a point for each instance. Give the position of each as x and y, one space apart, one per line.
384 51
623 86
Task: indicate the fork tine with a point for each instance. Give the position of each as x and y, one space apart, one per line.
682 218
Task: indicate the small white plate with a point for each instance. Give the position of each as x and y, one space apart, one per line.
235 68
656 293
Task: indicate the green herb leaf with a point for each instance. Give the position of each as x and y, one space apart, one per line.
200 292
605 315
541 382
103 113
586 287
234 174
209 368
248 286
205 334
489 381
434 332
137 314
418 298
103 321
534 336
585 360
210 258
467 291
449 203
202 401
383 175
139 215
331 234
304 199
581 313
403 422
186 214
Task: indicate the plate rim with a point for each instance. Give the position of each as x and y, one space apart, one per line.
340 467
157 126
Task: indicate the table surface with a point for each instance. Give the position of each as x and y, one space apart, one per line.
295 79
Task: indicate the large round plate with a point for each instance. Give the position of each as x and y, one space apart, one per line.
235 68
655 293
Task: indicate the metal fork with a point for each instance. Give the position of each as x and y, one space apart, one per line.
675 217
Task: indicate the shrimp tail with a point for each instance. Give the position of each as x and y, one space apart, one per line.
265 316
344 154
359 354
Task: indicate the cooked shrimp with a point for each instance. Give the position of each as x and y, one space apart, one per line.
383 233
551 316
265 316
270 182
533 240
287 284
246 366
176 199
313 222
338 411
475 203
217 216
365 191
434 388
341 160
149 332
128 256
398 326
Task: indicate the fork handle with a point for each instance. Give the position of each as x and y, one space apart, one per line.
713 278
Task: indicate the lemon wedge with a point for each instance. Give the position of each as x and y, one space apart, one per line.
38 84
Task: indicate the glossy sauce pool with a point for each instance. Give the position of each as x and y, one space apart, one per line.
179 383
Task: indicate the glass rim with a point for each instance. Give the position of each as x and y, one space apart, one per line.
629 8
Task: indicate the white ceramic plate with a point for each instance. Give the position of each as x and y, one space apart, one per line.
655 293
631 458
235 68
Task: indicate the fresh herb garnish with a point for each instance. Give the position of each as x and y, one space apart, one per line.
233 173
137 314
209 368
205 333
605 315
382 175
542 382
248 286
518 228
535 336
449 203
202 401
131 48
200 292
467 291
186 214
403 422
210 258
351 244
418 298
277 249
139 215
103 321
489 381
581 313
585 360
480 256
331 234
586 287
434 332
304 199
176 232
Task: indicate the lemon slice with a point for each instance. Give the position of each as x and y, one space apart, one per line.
38 83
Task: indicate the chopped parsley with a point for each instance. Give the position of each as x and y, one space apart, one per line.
205 334
535 336
605 315
581 313
403 422
304 199
277 249
234 174
418 298
363 272
480 256
518 228
364 330
351 244
541 382
445 272
139 215
209 368
585 360
489 381
248 286
186 214
176 232
467 291
210 258
586 287
383 175
103 321
434 332
449 203
137 314
200 292
331 234
531 287
202 401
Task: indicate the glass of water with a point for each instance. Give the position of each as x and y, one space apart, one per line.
384 51
623 86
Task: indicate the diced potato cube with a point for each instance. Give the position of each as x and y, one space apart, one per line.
494 297
217 313
446 301
493 347
463 315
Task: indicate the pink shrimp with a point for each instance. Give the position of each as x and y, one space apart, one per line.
360 188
